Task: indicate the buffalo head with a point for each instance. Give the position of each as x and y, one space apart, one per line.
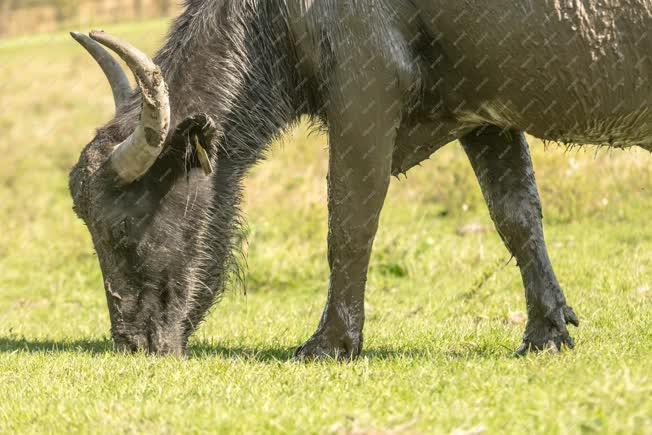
145 189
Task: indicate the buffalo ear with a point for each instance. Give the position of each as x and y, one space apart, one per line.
194 142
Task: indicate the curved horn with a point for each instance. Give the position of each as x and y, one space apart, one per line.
132 158
112 70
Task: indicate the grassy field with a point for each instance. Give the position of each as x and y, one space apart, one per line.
445 305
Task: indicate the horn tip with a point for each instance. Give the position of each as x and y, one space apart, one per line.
81 38
95 34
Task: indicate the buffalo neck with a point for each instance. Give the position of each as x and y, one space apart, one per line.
234 60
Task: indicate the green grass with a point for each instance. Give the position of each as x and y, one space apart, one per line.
442 307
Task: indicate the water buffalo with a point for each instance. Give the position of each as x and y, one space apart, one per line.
392 81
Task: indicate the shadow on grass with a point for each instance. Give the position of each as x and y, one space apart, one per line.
196 350
17 345
105 346
200 350
282 354
262 354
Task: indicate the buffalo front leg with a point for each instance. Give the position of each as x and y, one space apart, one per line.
501 161
358 178
363 108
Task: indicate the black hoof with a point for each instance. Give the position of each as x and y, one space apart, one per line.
549 333
324 346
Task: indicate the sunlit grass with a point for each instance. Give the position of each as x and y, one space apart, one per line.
442 307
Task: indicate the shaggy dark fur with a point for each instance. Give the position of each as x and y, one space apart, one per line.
168 242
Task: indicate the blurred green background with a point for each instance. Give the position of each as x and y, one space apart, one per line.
20 17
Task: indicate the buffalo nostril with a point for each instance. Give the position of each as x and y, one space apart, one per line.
124 347
123 344
168 343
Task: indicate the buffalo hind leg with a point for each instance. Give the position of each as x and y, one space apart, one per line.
501 161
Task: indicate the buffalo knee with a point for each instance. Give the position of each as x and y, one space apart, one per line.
518 221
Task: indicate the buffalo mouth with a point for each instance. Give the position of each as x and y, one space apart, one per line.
154 343
145 323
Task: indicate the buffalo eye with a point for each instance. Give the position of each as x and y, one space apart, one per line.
120 232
